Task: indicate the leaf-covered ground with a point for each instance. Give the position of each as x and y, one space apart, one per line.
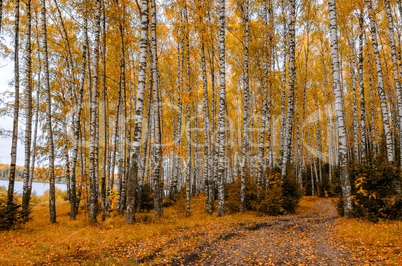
312 236
301 239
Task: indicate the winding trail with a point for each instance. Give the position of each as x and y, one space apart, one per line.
299 239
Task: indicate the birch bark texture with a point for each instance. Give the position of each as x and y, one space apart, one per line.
221 111
139 109
380 85
340 112
397 79
52 196
93 182
287 148
28 110
157 158
246 120
14 142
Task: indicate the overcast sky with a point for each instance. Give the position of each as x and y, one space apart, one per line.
7 75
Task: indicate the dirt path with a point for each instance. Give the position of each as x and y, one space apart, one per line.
303 239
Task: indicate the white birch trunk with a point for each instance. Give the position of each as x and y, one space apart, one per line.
363 143
221 112
287 148
14 142
157 160
28 110
397 79
380 85
340 112
245 165
139 106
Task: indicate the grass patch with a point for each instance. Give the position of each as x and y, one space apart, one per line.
112 241
378 242
306 203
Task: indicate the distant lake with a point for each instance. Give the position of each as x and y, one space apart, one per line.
37 187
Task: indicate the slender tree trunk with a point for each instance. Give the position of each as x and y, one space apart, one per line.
52 196
157 160
287 154
222 108
340 112
189 105
135 155
36 122
284 84
380 86
120 160
144 158
113 165
123 142
246 121
397 78
128 151
77 126
207 136
28 113
66 155
372 114
177 138
214 154
105 119
10 195
196 162
268 65
356 145
92 206
77 130
363 143
264 115
69 60
318 136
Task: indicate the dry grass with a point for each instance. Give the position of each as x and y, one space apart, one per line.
379 242
112 241
158 241
306 203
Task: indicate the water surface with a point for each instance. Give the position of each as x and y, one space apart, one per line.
37 187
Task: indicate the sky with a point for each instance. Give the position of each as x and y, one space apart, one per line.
6 122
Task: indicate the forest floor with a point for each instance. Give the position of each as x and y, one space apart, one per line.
314 235
306 238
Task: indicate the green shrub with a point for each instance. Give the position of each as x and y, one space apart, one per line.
373 190
271 199
232 195
291 192
282 195
14 217
147 198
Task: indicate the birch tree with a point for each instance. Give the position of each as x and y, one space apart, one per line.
380 85
28 110
11 178
205 107
222 108
246 120
292 84
363 144
340 112
157 159
397 79
93 197
135 155
52 196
